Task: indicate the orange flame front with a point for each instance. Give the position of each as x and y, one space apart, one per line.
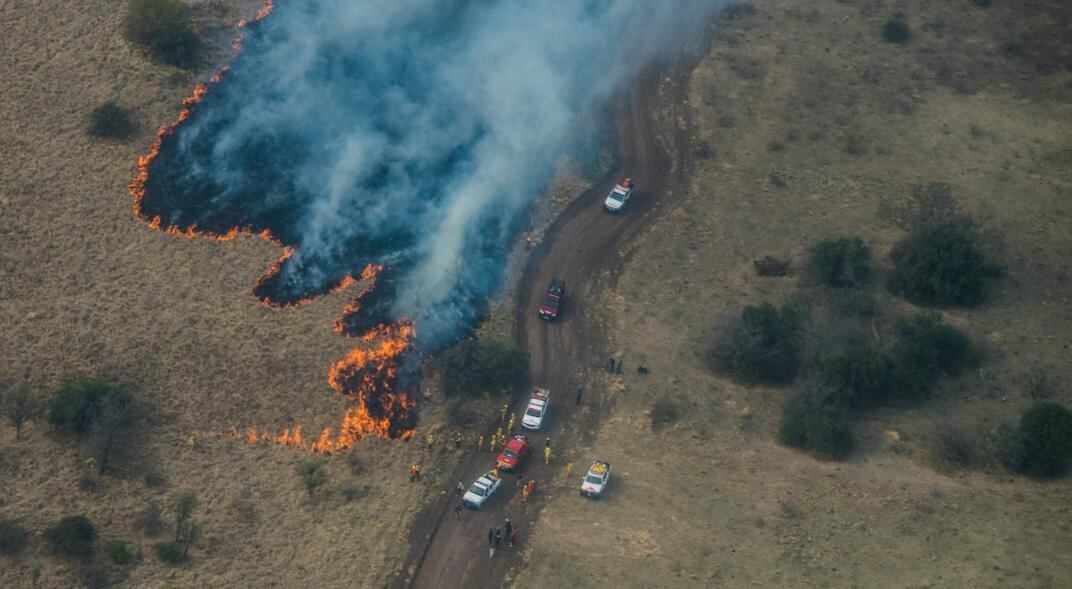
367 375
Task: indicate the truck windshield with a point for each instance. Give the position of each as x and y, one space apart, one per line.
533 411
595 480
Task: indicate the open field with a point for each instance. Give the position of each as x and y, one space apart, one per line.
800 120
89 290
809 121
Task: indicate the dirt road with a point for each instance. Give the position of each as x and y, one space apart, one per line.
582 247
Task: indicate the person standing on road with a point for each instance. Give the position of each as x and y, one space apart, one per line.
513 537
509 527
459 489
458 510
491 537
547 442
498 536
569 469
502 413
480 443
547 455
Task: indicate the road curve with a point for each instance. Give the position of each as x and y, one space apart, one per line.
581 247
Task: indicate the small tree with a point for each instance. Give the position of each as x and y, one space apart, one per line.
78 403
114 431
817 418
942 266
840 263
477 367
312 475
926 349
863 376
185 504
13 536
110 121
1046 434
764 345
163 28
73 535
21 406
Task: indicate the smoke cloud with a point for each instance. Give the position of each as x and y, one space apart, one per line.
409 133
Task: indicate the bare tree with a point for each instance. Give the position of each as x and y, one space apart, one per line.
114 436
20 406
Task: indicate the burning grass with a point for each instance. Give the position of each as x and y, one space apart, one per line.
370 374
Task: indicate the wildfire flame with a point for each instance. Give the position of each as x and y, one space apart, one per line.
367 375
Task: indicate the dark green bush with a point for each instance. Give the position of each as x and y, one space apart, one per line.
120 552
73 535
764 345
110 121
896 30
13 536
925 350
817 418
77 404
170 552
163 28
841 263
462 415
862 376
1046 435
941 265
663 413
477 367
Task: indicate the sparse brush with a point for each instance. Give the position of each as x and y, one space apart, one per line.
312 474
664 412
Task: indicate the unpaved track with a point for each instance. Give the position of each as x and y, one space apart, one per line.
582 247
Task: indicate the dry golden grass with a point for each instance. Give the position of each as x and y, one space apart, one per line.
89 290
804 94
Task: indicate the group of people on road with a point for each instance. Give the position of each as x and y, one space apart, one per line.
496 537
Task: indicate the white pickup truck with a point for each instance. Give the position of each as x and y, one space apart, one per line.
483 488
537 409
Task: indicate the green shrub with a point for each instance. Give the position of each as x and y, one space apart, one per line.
477 367
110 121
926 349
1046 434
120 552
170 552
764 345
941 265
162 27
13 536
663 413
896 30
817 418
312 475
77 404
841 263
73 535
862 376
